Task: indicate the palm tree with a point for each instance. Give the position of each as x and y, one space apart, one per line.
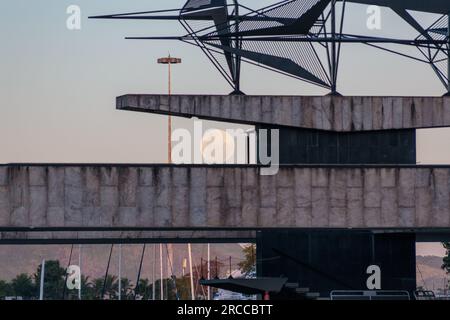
144 289
110 287
97 288
127 291
87 288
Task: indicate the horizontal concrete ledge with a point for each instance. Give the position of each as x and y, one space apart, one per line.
21 236
112 237
223 197
331 113
224 166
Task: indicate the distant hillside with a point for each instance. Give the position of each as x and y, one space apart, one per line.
429 273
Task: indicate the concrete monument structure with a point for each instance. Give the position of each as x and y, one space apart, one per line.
371 213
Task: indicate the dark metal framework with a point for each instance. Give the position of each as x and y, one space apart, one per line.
298 38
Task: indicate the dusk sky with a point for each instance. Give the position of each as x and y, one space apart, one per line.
58 87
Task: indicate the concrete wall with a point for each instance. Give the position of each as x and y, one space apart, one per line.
341 114
235 197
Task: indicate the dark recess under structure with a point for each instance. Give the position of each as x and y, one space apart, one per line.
323 261
308 146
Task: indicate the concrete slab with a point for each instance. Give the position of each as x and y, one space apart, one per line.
332 113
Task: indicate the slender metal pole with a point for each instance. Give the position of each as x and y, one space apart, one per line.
170 117
139 272
169 61
65 279
237 67
153 273
169 253
107 272
170 76
191 272
166 284
79 264
170 141
209 270
201 268
217 268
41 287
333 47
120 272
448 54
161 271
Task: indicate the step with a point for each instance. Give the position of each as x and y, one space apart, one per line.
291 285
312 295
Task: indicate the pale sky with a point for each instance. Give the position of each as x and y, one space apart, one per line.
58 87
430 249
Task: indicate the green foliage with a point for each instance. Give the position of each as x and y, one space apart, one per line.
249 262
27 286
110 287
126 288
23 286
184 288
97 288
144 289
6 289
446 260
54 278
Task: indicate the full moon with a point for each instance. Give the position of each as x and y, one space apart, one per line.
217 147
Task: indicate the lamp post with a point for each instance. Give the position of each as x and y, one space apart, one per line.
169 61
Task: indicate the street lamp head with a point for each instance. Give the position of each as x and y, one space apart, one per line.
169 60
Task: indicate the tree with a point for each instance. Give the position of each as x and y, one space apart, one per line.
144 289
127 289
87 291
169 289
111 287
54 280
23 286
446 260
97 288
249 262
184 288
93 289
6 289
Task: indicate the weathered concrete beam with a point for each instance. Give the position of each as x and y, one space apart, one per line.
342 114
95 197
128 236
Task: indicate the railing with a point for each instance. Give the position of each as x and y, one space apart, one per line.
369 295
424 295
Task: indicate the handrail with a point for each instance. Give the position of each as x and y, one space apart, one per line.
369 295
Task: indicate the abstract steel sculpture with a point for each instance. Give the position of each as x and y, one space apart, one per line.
298 38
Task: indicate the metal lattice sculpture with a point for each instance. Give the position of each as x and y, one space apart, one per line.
299 38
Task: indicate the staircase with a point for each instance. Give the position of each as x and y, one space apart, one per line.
294 291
